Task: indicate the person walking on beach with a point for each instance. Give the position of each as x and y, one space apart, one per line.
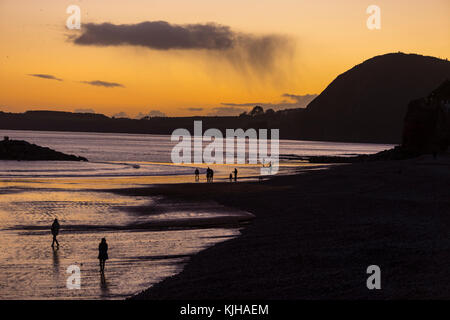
208 175
211 175
235 174
197 175
55 231
231 177
102 254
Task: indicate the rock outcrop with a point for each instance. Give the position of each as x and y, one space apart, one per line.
22 150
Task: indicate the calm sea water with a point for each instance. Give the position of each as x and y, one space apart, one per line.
32 194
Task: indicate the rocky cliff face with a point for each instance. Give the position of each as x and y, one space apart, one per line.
427 122
22 150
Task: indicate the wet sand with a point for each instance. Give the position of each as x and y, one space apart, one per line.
144 249
314 235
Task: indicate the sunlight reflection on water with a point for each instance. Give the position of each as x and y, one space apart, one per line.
31 269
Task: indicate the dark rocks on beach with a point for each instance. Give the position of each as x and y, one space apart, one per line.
22 150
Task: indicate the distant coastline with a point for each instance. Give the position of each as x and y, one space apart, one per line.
99 123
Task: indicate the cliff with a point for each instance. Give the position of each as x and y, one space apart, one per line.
427 122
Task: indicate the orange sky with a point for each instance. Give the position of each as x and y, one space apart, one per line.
327 37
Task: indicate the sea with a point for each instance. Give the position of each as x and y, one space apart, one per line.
84 198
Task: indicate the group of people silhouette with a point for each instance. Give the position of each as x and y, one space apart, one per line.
210 175
102 247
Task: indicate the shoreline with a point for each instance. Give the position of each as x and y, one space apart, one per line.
143 249
315 233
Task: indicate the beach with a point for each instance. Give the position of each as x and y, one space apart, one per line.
315 234
151 237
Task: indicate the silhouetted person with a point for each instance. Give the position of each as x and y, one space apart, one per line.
211 175
102 254
55 231
231 177
197 175
235 174
208 175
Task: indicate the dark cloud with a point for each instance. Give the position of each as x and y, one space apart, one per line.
242 49
105 84
84 111
195 109
45 76
248 104
296 101
158 35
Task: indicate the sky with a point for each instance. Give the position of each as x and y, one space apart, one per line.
199 57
